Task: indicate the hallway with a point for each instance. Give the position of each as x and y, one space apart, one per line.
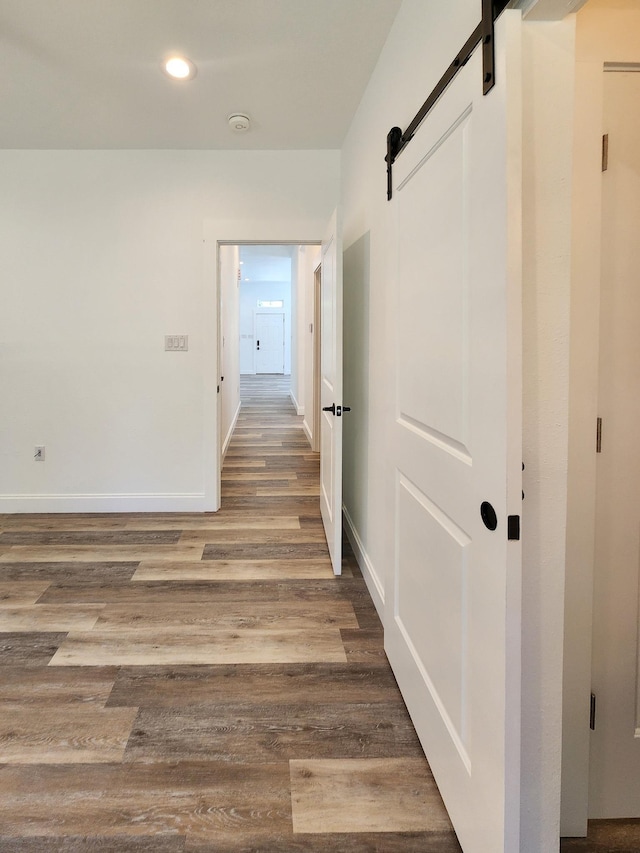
203 683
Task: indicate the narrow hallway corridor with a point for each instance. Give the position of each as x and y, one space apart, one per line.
182 683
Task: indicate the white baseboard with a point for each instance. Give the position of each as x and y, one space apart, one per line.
298 407
376 590
227 438
307 432
103 503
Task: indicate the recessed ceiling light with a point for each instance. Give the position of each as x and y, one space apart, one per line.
180 68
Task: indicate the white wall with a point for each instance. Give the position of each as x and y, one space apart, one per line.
230 343
309 332
101 255
357 393
606 32
296 389
304 262
420 46
250 293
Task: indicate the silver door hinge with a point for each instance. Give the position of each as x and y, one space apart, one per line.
605 152
592 712
599 435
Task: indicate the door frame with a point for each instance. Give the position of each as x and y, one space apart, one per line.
317 332
217 232
583 411
606 529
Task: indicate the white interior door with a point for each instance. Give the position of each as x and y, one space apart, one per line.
452 630
614 785
331 391
269 338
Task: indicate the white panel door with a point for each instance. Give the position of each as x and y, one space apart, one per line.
331 391
269 338
452 629
614 784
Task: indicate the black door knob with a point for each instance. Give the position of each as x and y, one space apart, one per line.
489 516
331 408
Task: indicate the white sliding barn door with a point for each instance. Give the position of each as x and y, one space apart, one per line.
331 390
452 630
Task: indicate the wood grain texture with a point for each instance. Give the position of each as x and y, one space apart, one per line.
301 536
56 688
207 801
135 648
90 538
334 842
606 836
79 571
99 553
79 735
49 617
210 616
197 657
95 844
254 477
28 649
384 795
202 687
297 488
151 593
243 522
278 551
21 592
363 646
252 732
406 842
246 570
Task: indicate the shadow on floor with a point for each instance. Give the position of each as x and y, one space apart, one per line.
606 836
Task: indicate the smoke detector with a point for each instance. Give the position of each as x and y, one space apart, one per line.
239 123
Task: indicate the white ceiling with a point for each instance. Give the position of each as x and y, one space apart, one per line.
86 73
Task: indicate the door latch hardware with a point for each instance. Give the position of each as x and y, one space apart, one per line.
513 527
331 408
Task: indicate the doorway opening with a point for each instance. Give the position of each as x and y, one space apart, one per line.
266 282
268 327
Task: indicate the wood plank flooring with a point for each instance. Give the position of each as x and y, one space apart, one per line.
198 683
203 684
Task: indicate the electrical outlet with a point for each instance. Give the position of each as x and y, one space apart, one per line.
39 453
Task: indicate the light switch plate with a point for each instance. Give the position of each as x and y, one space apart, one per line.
176 343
